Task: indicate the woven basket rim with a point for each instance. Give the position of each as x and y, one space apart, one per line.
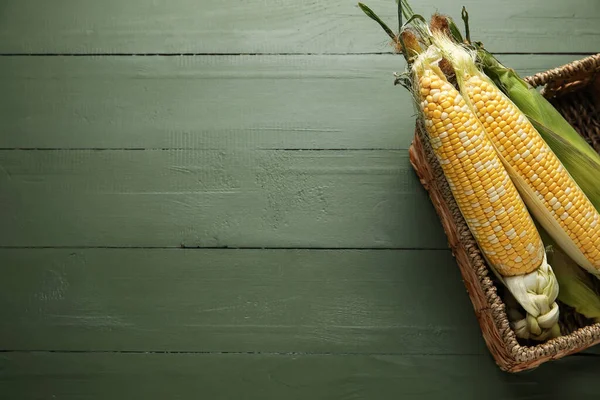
567 77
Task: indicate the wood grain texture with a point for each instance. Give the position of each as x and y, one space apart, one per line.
215 198
278 26
285 301
302 144
294 376
212 102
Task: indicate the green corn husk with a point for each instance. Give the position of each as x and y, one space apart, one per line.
576 286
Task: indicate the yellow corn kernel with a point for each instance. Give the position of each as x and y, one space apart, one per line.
552 178
478 177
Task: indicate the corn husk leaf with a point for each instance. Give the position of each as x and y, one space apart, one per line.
524 326
576 289
371 14
454 30
576 286
536 292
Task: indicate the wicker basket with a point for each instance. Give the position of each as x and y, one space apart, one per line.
574 89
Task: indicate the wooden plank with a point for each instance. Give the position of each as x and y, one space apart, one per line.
215 198
297 376
283 26
212 102
308 301
204 102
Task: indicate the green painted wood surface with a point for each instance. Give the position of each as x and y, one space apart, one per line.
287 376
213 102
110 162
278 26
216 198
284 301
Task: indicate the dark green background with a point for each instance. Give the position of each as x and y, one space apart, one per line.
213 200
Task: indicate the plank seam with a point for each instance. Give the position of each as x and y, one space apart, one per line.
261 54
258 353
200 352
193 149
183 247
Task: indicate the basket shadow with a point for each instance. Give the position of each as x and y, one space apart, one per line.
556 379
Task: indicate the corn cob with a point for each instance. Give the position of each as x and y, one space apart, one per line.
486 196
551 194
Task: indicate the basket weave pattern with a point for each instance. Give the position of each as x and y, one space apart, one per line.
572 90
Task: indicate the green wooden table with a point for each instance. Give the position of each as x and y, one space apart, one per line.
213 200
